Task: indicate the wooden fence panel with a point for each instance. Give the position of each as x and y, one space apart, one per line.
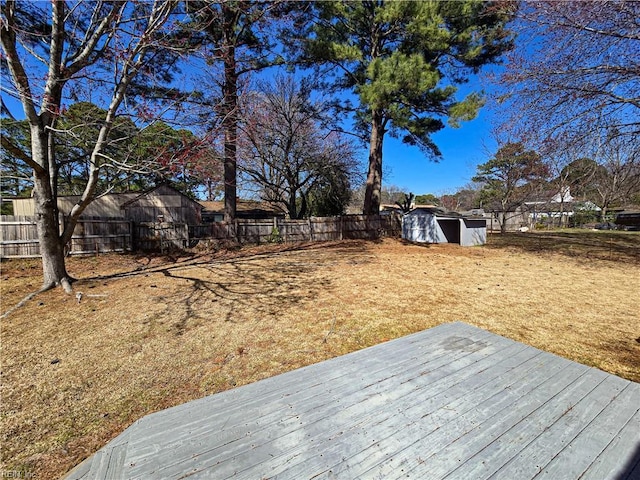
93 236
324 229
152 236
215 231
361 227
19 237
294 230
315 229
254 231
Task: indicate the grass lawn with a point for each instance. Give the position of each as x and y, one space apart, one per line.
148 333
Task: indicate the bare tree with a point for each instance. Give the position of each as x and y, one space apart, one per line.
285 151
568 171
616 178
55 50
603 169
465 198
575 69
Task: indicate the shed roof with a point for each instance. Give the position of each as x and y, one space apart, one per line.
442 213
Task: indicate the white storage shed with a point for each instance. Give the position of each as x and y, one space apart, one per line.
428 225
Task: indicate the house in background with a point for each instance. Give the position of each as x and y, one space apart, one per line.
554 208
214 211
551 208
160 204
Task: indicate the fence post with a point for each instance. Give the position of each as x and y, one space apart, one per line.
131 227
281 229
310 229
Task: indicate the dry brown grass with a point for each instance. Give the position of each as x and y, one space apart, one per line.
150 333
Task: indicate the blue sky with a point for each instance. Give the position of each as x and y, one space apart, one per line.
462 150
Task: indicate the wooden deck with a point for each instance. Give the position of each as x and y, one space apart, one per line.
452 402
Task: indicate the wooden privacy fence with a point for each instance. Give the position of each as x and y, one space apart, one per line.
315 229
19 238
151 236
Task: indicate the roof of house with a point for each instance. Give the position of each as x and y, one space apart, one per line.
241 206
244 209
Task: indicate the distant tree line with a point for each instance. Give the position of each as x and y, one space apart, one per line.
515 175
569 107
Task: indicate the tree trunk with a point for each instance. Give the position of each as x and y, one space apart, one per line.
230 167
291 205
374 176
503 223
46 211
503 220
230 137
304 206
230 113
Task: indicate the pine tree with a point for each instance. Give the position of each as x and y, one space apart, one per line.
403 60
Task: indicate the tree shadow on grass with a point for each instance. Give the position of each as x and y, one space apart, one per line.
256 285
625 351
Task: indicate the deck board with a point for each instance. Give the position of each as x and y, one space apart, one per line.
451 402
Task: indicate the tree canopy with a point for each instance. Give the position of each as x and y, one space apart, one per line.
575 69
403 61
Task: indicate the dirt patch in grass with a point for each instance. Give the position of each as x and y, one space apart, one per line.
152 332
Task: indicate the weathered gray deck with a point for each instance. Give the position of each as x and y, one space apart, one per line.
451 402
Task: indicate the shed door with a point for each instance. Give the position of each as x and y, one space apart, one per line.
451 229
